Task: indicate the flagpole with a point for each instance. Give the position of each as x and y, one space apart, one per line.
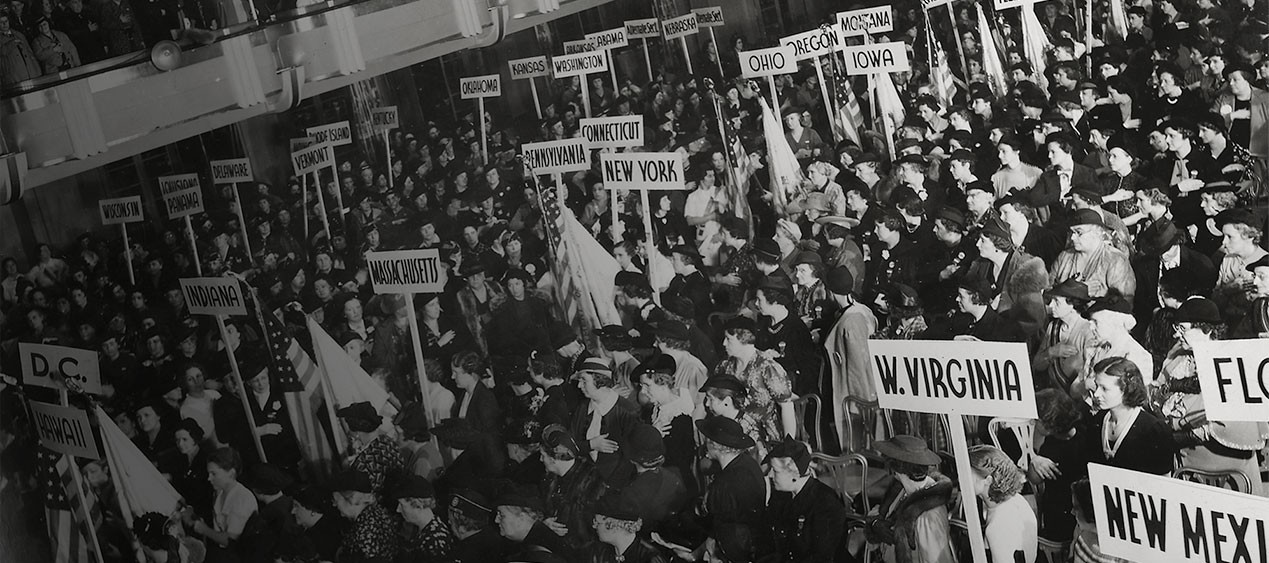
335 429
417 341
242 389
648 247
193 244
722 134
242 221
960 46
79 487
127 254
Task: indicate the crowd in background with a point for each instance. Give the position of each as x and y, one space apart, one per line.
1110 220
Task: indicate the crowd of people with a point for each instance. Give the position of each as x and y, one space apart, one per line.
1110 220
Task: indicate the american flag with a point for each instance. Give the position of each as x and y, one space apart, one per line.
553 225
941 72
582 268
844 100
297 375
737 163
65 509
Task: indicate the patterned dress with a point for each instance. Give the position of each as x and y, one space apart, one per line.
373 535
432 543
768 385
380 459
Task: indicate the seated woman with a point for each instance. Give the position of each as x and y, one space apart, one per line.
233 507
1124 434
1059 460
912 520
1011 530
1214 446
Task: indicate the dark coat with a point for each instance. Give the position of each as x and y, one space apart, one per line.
483 413
736 507
1047 191
1148 447
807 526
613 467
656 495
1194 264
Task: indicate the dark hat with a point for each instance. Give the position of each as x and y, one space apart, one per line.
1071 289
807 257
518 274
521 497
1218 186
1111 302
313 498
471 268
670 328
1121 141
559 443
725 431
457 433
995 227
363 414
680 305
1182 125
725 382
1086 85
799 452
595 365
905 144
740 323
904 300
660 363
614 506
1198 310
615 337
351 481
866 158
1087 217
912 159
980 285
686 250
839 280
471 504
962 154
1263 262
561 335
951 215
1153 242
791 110
776 283
766 248
907 448
267 479
1237 215
626 277
644 445
413 422
1090 194
191 426
737 226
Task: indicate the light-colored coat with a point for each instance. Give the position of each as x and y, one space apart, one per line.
848 357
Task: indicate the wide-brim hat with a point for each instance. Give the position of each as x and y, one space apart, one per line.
797 451
1071 289
1263 262
910 449
670 328
725 431
1155 241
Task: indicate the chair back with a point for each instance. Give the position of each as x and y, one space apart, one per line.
1053 552
1231 479
846 474
866 422
808 409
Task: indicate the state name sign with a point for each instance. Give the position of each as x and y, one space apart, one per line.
121 210
384 119
45 365
406 271
182 195
709 17
488 86
578 46
231 171
681 26
856 23
1006 4
876 58
1234 378
312 159
579 64
64 429
643 29
334 134
814 43
612 39
613 132
213 296
531 67
931 4
552 157
1143 517
768 62
301 143
978 378
643 171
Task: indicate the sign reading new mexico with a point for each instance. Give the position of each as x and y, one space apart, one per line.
968 378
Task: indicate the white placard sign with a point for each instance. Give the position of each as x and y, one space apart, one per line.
231 171
681 26
709 17
406 271
643 29
931 4
44 365
213 296
1234 378
875 58
643 171
121 210
613 132
967 378
1143 517
814 43
64 429
333 134
302 143
385 119
578 46
867 21
531 67
488 86
768 62
1006 4
612 39
182 195
312 159
551 157
579 64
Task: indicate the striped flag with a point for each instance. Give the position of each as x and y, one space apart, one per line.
583 269
1035 45
737 164
298 377
993 65
848 111
941 72
68 528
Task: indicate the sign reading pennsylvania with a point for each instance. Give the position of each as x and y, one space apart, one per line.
231 171
643 171
334 134
384 119
121 210
552 157
213 296
579 64
1234 378
1143 517
967 378
406 271
643 29
312 159
65 430
488 86
613 132
44 365
531 67
182 195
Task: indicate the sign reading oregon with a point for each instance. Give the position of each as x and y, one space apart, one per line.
406 271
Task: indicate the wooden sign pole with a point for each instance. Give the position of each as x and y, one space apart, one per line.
127 254
965 473
321 202
484 135
387 158
242 388
537 102
242 222
687 56
193 244
648 59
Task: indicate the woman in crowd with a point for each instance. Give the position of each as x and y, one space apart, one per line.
1125 434
234 505
1011 529
768 391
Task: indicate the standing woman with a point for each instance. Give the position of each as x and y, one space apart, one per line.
1125 435
476 299
1011 530
233 506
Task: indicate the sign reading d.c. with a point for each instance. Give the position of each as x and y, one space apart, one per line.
44 365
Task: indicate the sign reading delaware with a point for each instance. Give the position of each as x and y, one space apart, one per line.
971 378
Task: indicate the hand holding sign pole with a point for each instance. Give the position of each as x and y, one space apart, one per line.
407 272
122 211
769 62
987 379
310 160
336 135
812 45
233 172
607 41
481 87
580 64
